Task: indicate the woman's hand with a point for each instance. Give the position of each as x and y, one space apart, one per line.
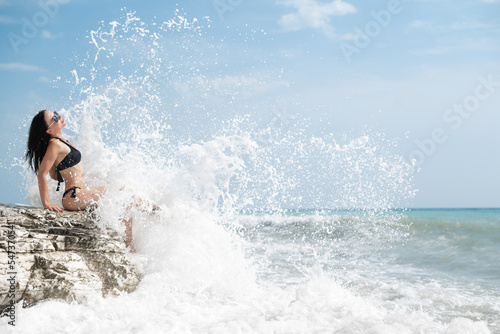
52 207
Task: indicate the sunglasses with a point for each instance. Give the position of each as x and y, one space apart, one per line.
55 119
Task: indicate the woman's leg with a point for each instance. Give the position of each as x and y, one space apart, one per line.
87 197
143 205
128 234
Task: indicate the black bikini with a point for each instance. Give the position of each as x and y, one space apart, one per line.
73 189
71 159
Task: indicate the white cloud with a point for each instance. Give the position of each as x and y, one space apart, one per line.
350 36
44 79
313 14
470 25
7 19
454 26
461 36
48 34
20 67
466 45
292 52
419 24
228 86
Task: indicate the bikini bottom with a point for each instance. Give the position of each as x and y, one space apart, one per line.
72 189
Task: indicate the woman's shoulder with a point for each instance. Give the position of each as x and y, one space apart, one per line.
55 144
54 141
54 149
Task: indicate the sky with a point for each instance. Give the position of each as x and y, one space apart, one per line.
425 72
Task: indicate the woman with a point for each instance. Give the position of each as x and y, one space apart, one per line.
49 153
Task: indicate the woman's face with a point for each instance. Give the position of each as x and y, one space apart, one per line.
49 120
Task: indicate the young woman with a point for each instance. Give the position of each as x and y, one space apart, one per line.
49 152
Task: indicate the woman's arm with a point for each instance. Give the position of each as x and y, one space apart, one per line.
47 162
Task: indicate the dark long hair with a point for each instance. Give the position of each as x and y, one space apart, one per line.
38 141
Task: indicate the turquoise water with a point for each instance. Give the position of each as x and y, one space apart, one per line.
461 243
307 271
442 262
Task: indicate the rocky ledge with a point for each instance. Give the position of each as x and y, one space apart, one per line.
46 255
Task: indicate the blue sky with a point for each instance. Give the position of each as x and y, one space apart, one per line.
423 71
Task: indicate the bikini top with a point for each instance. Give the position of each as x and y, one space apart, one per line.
71 159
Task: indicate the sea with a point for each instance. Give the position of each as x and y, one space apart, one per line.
265 226
302 271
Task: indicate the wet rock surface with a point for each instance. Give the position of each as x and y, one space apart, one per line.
46 255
